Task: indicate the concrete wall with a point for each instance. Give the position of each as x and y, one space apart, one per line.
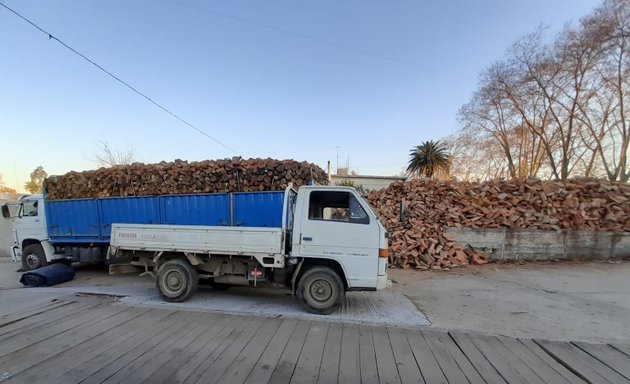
532 244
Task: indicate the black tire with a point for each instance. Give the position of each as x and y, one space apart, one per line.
320 290
177 280
33 257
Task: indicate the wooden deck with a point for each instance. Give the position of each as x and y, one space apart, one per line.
89 340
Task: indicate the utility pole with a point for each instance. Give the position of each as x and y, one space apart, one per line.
337 171
15 176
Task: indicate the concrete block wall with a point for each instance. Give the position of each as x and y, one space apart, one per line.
533 244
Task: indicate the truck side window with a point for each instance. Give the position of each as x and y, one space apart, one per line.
29 208
336 206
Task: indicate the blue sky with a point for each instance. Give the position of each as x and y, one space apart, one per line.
277 78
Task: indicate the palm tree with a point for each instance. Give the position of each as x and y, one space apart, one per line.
428 159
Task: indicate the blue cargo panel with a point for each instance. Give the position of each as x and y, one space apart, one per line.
73 220
211 209
127 210
258 209
90 220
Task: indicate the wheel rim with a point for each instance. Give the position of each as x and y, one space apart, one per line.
32 261
174 281
321 290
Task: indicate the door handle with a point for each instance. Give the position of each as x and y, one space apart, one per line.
307 238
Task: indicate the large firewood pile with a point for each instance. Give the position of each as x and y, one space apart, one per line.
182 177
420 241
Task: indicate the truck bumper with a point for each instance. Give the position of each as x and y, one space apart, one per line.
383 282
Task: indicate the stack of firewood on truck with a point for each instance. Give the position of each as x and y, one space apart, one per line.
183 177
420 241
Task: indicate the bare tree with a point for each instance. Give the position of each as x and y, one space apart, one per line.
559 109
107 157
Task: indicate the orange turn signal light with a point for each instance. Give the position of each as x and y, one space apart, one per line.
383 252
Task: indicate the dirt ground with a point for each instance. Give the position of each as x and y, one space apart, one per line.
587 301
557 300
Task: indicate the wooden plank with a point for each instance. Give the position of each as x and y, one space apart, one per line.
350 361
32 311
286 365
543 355
140 338
511 368
149 362
625 349
219 333
240 369
425 359
41 320
462 361
117 361
307 366
580 363
219 365
33 355
406 363
481 364
178 359
446 362
609 356
81 318
54 368
16 308
537 364
228 358
265 365
367 356
385 361
329 369
238 332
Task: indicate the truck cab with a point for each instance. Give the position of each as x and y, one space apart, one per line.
336 224
29 232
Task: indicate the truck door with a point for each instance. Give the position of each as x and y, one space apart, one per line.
336 225
30 222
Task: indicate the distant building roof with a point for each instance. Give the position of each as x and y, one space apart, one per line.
368 177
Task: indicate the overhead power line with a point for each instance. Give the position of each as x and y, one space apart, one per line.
298 34
52 37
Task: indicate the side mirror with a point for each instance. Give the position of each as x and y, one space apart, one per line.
5 211
404 210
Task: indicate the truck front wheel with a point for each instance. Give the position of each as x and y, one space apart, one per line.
33 257
177 280
321 290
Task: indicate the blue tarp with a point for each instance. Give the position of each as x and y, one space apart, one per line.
47 276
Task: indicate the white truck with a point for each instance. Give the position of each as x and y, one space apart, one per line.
318 241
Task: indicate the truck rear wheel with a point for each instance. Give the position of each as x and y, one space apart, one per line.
321 290
177 280
33 257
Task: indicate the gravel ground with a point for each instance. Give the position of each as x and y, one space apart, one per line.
588 301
